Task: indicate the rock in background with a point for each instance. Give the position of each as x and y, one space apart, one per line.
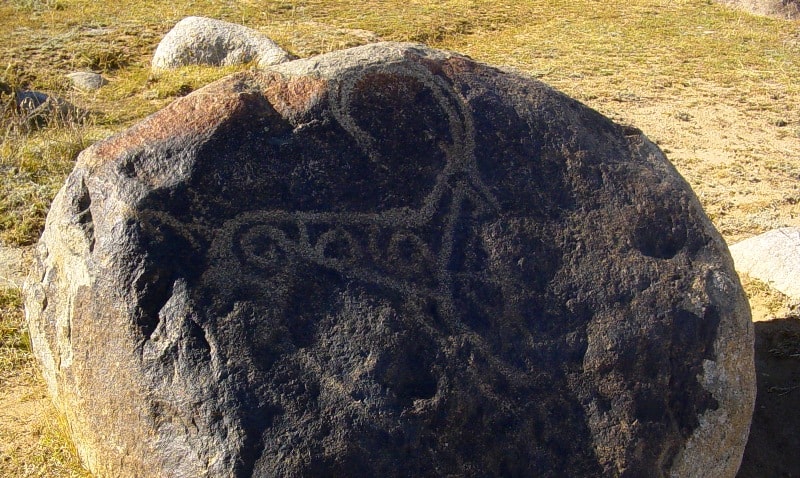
389 261
787 9
87 80
772 258
35 109
206 41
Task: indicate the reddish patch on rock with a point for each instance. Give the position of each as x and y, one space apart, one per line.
292 96
196 116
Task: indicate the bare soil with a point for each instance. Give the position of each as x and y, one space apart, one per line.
22 403
32 438
741 159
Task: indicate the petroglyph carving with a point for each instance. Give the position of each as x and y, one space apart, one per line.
388 261
407 259
408 250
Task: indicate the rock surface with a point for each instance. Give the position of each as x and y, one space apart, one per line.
389 261
14 266
38 109
773 258
206 41
787 9
87 80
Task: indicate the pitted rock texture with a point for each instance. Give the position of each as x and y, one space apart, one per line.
389 261
207 41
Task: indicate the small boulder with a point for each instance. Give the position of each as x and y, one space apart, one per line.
87 80
389 261
37 109
786 9
206 41
772 258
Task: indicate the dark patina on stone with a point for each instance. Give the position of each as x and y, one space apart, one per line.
389 261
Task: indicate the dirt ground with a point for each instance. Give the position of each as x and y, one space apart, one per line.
32 438
25 413
741 157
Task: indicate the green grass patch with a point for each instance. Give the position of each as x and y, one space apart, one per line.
33 165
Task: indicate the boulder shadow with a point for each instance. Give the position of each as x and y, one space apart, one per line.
775 432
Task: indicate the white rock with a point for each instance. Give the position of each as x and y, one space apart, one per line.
773 258
86 80
206 41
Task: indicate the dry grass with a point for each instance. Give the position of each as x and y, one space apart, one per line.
14 343
717 89
615 56
765 301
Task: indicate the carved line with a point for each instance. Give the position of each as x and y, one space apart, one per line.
265 245
460 154
187 231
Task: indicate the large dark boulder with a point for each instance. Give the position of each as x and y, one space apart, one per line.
389 261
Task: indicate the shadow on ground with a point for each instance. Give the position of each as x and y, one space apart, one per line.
772 450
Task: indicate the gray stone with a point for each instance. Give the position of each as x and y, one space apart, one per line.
87 80
389 261
206 41
773 258
787 9
38 109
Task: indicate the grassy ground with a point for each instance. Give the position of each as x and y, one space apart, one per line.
717 89
616 56
14 350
